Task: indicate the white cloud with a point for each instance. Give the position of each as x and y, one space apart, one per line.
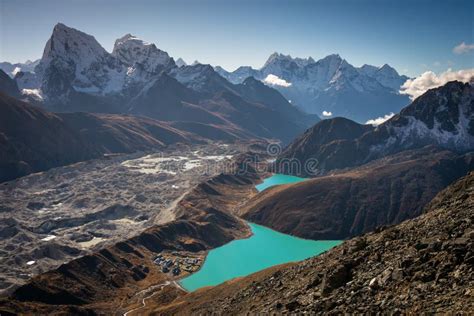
463 48
326 113
276 81
379 120
429 80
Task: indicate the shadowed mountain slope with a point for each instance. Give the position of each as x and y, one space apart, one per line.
349 203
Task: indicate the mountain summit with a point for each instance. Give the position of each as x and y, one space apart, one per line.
75 60
136 53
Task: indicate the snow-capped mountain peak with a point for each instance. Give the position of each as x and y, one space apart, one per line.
277 59
13 69
368 70
442 116
73 44
389 77
75 60
135 52
180 62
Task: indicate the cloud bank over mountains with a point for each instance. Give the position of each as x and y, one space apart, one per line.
429 80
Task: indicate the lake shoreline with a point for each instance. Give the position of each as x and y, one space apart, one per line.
279 248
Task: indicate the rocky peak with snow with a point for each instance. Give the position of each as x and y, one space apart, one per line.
77 46
180 62
201 78
276 57
75 60
12 69
389 77
138 54
283 66
386 75
368 70
442 116
331 84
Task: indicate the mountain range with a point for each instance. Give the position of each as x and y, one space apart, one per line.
442 116
330 85
76 73
366 177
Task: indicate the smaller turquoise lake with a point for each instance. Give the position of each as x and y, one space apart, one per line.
265 248
277 179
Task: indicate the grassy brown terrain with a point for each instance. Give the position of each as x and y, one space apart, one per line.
356 201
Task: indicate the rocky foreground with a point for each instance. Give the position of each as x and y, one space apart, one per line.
421 265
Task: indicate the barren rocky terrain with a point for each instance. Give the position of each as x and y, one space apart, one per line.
49 218
117 278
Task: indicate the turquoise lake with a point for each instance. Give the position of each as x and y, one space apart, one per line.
265 248
277 179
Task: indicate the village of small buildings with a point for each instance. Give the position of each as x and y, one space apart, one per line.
175 263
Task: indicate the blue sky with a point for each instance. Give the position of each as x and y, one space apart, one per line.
413 36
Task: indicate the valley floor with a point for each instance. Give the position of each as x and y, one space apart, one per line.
51 217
